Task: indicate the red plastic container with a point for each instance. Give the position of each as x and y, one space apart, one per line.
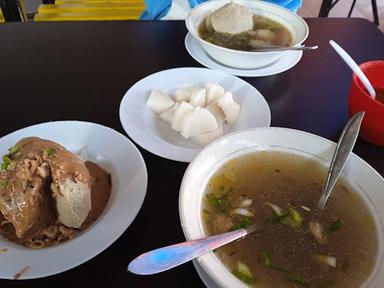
372 128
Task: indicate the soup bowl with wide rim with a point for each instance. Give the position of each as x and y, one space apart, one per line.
248 59
361 177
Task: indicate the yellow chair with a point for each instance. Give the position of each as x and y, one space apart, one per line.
88 16
138 3
90 10
2 20
88 7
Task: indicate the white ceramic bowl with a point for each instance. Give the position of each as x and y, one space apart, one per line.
362 177
115 153
245 59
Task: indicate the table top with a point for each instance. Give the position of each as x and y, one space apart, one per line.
81 70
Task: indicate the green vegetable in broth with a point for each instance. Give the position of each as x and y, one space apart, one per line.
296 217
243 277
334 227
243 272
266 33
244 223
221 203
291 217
345 265
266 256
280 218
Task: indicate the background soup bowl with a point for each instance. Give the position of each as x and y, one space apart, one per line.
246 59
359 175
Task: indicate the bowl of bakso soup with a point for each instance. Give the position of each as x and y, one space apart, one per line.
233 33
273 177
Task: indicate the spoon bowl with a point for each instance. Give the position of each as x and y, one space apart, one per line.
343 149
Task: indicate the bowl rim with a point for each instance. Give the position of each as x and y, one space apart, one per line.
219 2
366 197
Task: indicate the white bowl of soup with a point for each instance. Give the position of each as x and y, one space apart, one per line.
273 177
273 26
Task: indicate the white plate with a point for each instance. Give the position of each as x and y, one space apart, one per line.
115 153
283 64
147 130
362 177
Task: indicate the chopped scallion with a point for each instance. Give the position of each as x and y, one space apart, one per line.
280 219
334 227
327 260
345 265
221 203
246 203
244 223
278 211
296 217
241 211
306 208
243 273
291 217
266 256
317 232
13 149
50 152
6 162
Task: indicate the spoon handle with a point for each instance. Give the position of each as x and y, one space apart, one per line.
168 257
273 49
343 150
355 68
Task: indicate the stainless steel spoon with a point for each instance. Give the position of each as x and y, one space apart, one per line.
343 150
168 257
277 48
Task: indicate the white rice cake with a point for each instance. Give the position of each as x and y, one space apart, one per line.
158 101
199 121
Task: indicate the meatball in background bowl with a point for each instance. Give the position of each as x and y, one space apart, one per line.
297 27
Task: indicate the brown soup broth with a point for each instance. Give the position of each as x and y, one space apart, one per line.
289 180
380 95
265 33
